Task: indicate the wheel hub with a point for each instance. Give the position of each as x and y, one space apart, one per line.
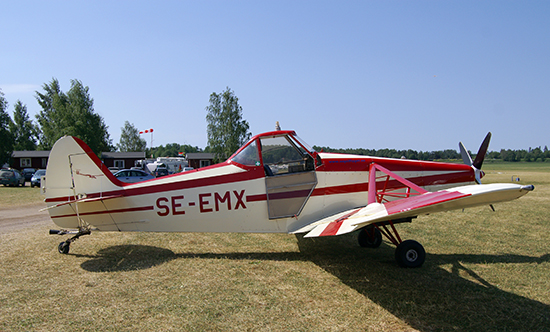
411 255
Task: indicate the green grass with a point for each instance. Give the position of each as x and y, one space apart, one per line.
485 271
10 196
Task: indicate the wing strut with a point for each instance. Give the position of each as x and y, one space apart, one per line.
375 197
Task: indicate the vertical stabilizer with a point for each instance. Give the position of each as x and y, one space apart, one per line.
75 173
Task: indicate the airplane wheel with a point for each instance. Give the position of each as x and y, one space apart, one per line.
410 253
63 247
369 237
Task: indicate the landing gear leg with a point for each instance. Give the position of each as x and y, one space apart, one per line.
65 246
408 253
369 237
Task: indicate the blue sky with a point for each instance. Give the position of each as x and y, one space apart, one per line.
419 75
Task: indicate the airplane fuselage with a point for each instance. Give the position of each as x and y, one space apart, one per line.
235 197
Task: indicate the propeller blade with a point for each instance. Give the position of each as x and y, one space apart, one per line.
482 152
465 155
477 173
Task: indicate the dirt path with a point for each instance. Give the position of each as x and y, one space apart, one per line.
22 217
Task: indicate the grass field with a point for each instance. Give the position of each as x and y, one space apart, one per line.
10 196
484 271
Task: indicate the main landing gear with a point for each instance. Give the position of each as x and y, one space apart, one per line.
64 246
408 253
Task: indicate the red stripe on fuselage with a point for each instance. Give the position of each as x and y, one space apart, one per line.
176 185
357 163
135 209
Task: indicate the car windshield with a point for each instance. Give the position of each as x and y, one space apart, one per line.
6 174
40 172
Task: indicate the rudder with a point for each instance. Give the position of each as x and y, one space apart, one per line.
74 172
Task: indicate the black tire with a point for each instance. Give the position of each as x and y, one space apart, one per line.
410 253
369 237
63 248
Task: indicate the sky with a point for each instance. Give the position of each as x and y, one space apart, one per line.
419 75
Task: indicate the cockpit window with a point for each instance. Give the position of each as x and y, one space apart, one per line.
304 144
248 156
281 155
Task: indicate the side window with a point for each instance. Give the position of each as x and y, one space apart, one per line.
248 156
283 156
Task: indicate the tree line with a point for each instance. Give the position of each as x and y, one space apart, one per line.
72 113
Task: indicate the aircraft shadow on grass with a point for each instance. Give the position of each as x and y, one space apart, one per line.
431 298
140 257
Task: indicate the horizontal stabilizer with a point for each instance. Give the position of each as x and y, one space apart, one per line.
82 200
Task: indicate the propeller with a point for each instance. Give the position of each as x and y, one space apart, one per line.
476 164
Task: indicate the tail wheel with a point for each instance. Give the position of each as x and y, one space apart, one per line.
64 247
410 253
369 237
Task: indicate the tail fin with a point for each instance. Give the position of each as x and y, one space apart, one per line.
75 172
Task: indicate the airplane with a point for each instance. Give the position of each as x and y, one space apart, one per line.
274 183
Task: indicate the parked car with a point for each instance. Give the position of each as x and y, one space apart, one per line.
114 169
27 173
185 169
35 180
11 177
133 175
161 171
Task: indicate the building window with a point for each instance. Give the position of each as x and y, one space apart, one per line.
44 162
25 162
205 163
119 164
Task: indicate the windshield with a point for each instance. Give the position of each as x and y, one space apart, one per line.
304 144
282 155
6 174
248 156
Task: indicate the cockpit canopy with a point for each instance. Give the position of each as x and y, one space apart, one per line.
280 152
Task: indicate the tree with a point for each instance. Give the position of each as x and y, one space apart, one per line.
130 141
22 129
6 138
172 150
70 114
227 131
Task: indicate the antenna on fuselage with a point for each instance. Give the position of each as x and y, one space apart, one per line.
277 127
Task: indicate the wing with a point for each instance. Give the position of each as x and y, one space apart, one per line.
429 202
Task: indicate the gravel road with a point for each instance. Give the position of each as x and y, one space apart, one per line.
23 217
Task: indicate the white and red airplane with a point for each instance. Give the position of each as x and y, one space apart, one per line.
274 183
